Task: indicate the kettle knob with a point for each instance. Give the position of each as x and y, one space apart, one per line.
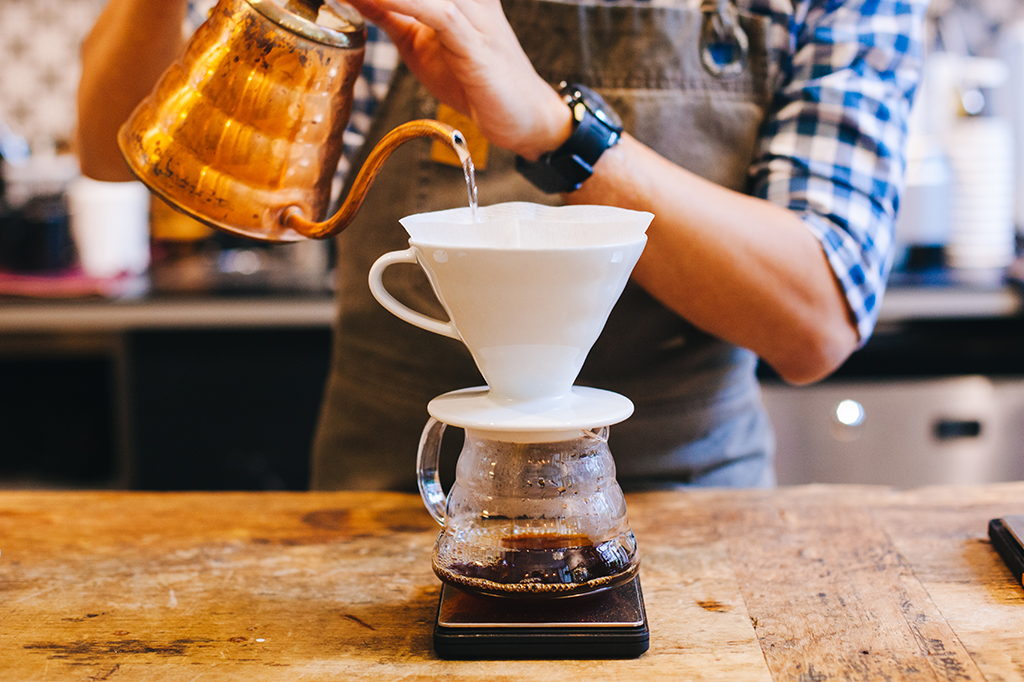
307 9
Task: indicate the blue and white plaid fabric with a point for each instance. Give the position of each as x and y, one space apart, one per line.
832 147
371 87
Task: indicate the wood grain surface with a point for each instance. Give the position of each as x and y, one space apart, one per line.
810 583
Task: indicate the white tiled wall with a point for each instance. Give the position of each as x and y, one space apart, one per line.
40 39
39 65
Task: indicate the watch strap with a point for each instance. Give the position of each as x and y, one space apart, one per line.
569 166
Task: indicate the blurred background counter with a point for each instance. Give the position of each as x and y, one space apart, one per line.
201 366
168 313
198 391
221 390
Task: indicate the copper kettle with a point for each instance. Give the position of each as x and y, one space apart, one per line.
244 131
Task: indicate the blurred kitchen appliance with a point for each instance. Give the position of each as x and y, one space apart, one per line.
1008 102
961 168
244 131
904 433
981 231
535 512
922 224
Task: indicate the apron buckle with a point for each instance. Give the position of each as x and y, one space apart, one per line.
723 43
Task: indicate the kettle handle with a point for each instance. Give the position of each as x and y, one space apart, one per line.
427 477
396 307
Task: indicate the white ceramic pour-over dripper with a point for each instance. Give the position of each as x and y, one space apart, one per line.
528 288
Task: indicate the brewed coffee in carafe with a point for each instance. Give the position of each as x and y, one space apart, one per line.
530 519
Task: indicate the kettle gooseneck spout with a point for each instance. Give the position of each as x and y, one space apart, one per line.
293 217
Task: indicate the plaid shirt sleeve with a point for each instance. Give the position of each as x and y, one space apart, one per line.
833 146
372 85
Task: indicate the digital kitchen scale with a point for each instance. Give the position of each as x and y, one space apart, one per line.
609 624
1007 536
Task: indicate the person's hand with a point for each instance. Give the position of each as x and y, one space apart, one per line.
466 54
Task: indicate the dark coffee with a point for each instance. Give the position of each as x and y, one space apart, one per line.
545 566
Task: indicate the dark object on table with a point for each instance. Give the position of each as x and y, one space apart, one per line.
1007 535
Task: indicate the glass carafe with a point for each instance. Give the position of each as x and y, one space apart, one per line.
530 515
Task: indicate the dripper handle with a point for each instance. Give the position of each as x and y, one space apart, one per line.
396 307
427 477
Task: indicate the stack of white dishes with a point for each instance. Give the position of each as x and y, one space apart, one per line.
981 225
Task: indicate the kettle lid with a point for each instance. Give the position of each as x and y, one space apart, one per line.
330 23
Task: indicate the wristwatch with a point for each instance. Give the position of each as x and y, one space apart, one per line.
595 128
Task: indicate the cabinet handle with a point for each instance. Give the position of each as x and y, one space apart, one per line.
951 429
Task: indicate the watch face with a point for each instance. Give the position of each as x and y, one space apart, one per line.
598 107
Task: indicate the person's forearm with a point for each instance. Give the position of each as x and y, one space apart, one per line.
736 266
127 50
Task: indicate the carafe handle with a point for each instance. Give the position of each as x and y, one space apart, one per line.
396 307
427 477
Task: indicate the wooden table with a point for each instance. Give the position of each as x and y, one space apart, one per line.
810 583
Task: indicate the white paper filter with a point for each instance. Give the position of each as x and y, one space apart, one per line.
524 225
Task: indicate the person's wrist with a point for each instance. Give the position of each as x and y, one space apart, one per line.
595 128
554 126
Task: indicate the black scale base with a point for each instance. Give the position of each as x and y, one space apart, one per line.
609 624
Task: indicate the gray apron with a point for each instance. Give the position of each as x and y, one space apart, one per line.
699 418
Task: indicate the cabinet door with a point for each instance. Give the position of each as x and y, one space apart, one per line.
226 409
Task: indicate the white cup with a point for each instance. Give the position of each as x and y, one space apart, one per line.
110 226
528 316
